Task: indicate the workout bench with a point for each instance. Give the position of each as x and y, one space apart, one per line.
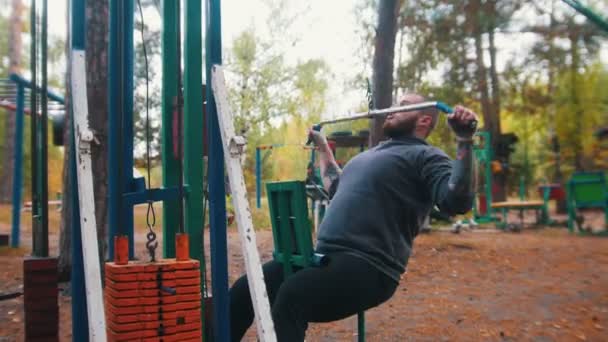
539 207
586 190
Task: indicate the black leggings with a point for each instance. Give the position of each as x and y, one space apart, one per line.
342 288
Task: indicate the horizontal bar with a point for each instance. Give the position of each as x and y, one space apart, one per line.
589 13
155 195
25 83
13 107
380 112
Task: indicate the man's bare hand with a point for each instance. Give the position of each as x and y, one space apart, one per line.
318 139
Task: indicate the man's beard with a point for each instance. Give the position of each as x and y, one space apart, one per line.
400 129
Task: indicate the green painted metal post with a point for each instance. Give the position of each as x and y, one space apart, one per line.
193 134
169 93
286 234
361 326
589 13
258 178
43 142
36 225
488 172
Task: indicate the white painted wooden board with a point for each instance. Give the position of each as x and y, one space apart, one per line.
86 200
255 276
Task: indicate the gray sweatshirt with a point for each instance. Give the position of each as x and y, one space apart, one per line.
382 198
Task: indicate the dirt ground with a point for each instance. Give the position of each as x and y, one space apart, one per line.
483 285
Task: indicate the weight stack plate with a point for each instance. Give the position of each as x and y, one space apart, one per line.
40 299
158 301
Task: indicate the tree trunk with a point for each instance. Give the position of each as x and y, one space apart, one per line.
383 64
482 77
495 81
574 82
65 227
14 57
489 112
399 61
64 266
551 71
501 178
97 81
97 92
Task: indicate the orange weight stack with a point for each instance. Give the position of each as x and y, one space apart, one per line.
159 301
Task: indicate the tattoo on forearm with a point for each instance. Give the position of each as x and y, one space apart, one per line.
332 172
461 179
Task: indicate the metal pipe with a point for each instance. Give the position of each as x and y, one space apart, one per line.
127 145
361 326
17 169
80 321
179 103
192 129
381 112
120 96
217 194
44 178
34 133
169 92
114 159
258 177
29 84
589 13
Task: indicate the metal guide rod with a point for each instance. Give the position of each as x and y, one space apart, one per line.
379 112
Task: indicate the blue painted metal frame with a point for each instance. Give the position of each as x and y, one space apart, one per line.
80 323
18 167
120 121
114 191
156 195
28 84
217 194
21 83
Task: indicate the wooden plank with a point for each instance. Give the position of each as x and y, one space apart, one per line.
233 152
518 205
84 137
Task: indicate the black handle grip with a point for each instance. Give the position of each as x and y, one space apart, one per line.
317 128
472 125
